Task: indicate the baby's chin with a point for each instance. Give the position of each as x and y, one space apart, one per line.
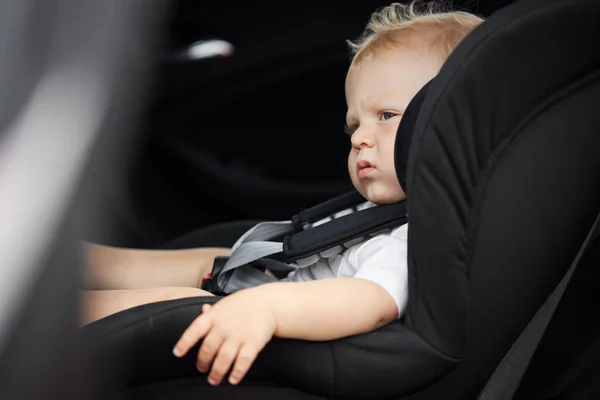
381 195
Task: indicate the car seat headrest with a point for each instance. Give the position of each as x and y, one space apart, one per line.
405 133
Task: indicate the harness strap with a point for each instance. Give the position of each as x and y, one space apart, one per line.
253 245
343 229
327 209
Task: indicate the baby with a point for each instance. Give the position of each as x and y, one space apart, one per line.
399 52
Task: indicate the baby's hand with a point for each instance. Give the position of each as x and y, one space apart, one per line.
236 328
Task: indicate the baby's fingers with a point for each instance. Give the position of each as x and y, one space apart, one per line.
196 331
223 361
243 362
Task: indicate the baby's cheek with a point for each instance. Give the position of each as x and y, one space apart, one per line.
352 167
356 184
351 160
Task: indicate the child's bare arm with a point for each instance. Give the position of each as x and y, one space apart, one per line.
330 308
119 268
237 327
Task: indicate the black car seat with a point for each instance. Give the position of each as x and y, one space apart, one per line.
503 178
504 185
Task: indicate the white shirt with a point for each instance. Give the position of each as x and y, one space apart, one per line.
380 258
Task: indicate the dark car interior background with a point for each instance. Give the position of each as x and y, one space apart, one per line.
280 95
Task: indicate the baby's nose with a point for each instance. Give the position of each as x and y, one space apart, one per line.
362 138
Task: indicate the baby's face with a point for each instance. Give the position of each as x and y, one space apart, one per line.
378 90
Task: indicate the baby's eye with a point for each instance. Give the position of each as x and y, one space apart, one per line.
387 115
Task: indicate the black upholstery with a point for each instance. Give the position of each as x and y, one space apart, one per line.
500 201
405 134
504 183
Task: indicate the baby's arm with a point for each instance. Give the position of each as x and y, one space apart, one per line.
339 307
119 268
328 309
238 326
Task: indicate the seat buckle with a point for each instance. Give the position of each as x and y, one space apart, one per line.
209 282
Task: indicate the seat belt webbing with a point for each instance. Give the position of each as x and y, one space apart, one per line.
505 380
252 246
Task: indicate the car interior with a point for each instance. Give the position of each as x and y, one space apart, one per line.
179 124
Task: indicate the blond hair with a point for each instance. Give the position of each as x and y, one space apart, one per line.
391 24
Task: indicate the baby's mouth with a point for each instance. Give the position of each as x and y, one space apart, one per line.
365 169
